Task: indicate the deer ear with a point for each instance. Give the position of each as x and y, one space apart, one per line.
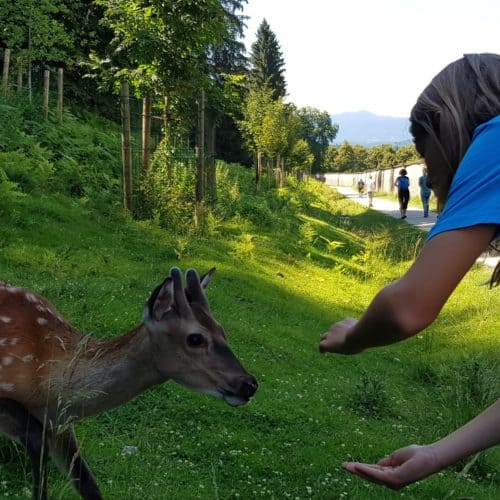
206 278
161 301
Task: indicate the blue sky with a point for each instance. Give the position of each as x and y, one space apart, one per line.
373 55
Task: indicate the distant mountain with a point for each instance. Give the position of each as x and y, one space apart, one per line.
368 129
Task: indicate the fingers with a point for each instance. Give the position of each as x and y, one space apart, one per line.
335 340
386 476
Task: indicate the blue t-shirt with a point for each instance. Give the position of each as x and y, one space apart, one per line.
403 183
474 196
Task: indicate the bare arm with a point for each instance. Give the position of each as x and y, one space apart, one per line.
410 304
412 463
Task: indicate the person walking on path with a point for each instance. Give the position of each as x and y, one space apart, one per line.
403 184
456 128
361 187
370 190
425 191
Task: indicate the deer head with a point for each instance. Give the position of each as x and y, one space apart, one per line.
189 346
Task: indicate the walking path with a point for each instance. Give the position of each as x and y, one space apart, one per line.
414 216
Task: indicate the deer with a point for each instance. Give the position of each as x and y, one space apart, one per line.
51 375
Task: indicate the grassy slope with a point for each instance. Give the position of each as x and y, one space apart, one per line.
275 297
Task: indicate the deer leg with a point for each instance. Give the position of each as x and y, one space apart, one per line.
65 450
17 423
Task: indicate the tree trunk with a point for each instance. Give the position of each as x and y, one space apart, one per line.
200 157
126 156
211 171
258 170
5 77
19 74
60 91
46 89
146 132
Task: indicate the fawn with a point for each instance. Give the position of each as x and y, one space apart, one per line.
52 376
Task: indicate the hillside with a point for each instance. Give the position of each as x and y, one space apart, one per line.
368 129
289 263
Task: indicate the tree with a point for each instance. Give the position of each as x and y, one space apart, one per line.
34 30
267 64
301 158
345 158
161 45
406 155
317 129
227 63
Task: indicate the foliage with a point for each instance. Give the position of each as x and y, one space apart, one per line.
161 45
267 63
80 159
358 158
35 31
301 158
317 129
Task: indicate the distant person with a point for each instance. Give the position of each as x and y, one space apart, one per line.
370 190
403 184
361 187
425 191
456 128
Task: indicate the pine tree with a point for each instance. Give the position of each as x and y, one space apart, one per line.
267 62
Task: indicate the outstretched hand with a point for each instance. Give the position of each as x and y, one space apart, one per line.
399 469
337 338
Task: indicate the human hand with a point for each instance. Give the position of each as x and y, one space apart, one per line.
337 339
400 468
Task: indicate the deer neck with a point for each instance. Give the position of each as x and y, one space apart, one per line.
108 373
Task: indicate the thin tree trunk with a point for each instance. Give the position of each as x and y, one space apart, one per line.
19 74
165 117
146 132
5 77
200 157
211 171
46 89
126 156
258 170
60 93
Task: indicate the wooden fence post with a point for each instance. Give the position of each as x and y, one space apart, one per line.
5 76
60 83
126 153
46 87
200 157
19 74
146 132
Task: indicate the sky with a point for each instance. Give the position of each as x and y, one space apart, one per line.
371 55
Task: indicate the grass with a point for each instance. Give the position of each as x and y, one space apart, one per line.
277 289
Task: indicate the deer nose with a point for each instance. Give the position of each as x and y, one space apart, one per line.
248 386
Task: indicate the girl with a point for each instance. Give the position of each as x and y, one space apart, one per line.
403 185
425 191
456 128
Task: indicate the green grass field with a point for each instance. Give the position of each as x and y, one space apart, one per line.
278 287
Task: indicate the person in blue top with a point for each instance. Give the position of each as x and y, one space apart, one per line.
425 191
456 129
403 184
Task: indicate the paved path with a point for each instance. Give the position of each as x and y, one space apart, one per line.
414 215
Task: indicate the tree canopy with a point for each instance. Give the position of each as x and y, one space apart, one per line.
267 63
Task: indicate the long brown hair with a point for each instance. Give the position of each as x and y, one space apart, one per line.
463 95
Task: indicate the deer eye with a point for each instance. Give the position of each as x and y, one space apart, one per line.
195 340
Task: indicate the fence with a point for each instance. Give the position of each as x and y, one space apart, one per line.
141 130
